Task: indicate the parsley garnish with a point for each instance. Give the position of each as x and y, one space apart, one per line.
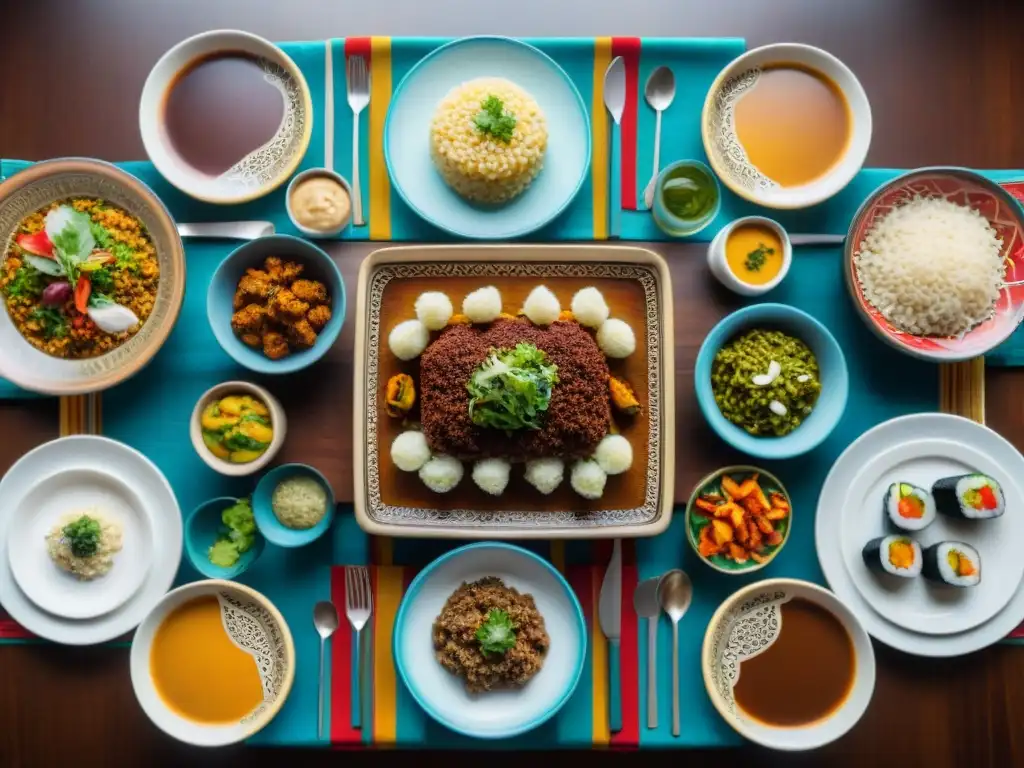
83 536
102 280
494 120
497 634
27 282
757 257
51 320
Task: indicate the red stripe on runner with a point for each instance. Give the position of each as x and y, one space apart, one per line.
358 46
629 659
629 49
341 729
12 630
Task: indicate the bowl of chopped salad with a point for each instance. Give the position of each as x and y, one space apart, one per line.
93 276
221 538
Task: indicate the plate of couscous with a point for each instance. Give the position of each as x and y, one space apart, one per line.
487 138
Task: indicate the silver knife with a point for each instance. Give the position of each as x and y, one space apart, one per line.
615 101
609 611
228 230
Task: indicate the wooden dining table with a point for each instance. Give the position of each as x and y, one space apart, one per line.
946 87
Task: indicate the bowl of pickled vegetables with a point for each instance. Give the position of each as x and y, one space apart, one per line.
237 428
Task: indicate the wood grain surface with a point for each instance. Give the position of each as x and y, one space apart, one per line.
946 87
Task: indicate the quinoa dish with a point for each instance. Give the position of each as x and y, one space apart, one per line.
84 544
490 635
80 278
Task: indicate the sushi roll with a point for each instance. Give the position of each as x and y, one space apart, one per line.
975 497
953 563
908 508
896 555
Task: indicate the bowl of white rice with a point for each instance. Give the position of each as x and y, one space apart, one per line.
487 138
933 262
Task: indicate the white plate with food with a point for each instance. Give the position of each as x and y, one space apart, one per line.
80 543
487 138
460 617
93 455
926 448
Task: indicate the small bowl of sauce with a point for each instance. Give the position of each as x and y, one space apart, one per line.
319 202
750 256
686 198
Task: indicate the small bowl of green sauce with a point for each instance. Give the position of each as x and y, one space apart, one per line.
686 198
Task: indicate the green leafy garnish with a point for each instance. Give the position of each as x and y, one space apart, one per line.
236 441
494 120
124 256
52 321
83 536
101 235
497 634
756 258
237 536
102 280
98 300
27 282
511 389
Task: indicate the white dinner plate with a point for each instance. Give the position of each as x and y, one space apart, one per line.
78 491
147 483
928 427
496 713
918 604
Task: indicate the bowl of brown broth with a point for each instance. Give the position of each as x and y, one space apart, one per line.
226 116
786 125
788 665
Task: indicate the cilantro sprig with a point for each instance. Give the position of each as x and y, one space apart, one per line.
83 536
494 120
497 634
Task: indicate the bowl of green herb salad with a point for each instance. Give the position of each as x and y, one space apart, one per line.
771 381
221 538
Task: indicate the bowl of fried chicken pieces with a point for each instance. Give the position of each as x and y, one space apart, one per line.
276 304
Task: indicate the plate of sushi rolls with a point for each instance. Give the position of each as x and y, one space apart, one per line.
918 529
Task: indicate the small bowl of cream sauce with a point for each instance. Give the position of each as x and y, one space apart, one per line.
319 202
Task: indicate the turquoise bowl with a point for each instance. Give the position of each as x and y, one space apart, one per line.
220 297
442 695
266 520
835 380
202 527
408 126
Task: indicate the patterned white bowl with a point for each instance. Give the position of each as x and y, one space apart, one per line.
255 625
746 624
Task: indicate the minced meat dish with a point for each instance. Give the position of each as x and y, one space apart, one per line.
578 415
490 635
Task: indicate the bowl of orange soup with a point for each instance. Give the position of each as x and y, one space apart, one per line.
213 663
786 125
791 636
750 256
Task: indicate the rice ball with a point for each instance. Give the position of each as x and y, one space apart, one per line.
616 339
434 309
545 474
441 473
541 306
410 451
589 307
483 305
614 454
588 479
408 339
491 475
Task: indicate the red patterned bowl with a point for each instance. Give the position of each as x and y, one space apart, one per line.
1004 213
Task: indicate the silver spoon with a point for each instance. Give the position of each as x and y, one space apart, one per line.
675 591
659 92
325 619
645 601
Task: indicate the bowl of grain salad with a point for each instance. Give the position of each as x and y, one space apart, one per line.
293 505
93 276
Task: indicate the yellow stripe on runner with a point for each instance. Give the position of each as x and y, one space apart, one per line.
383 550
601 735
599 138
389 595
962 389
380 98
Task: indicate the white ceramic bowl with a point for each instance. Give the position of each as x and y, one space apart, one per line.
278 423
726 156
260 629
720 268
311 174
745 625
261 171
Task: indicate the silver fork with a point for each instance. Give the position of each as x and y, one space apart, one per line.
358 607
358 97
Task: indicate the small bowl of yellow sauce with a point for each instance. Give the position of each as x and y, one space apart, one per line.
319 202
750 256
686 198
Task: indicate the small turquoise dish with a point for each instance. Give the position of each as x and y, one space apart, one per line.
220 300
407 138
202 527
497 713
835 383
673 225
267 522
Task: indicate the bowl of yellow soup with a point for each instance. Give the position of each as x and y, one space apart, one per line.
212 663
750 256
786 125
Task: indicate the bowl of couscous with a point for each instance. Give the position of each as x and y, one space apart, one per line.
93 276
293 505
